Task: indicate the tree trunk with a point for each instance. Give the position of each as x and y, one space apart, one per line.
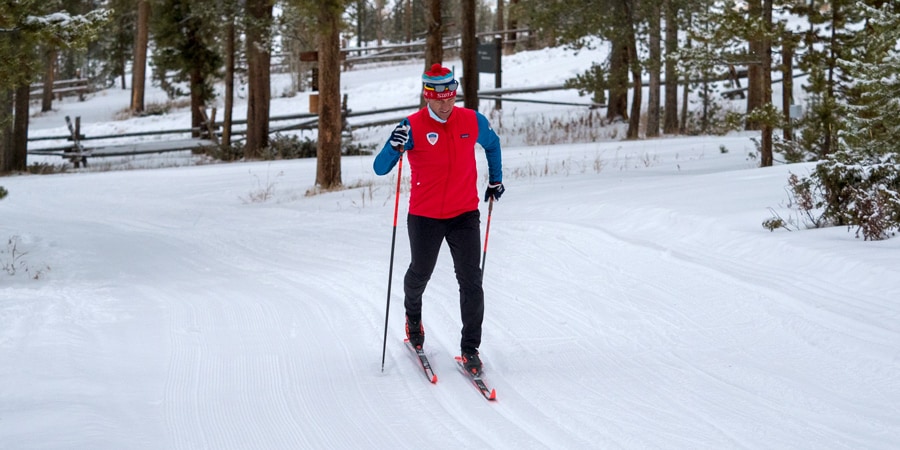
379 29
139 68
670 120
787 83
655 64
49 77
617 108
328 173
407 21
766 150
754 71
500 13
634 64
509 45
7 150
122 67
434 40
360 20
258 96
20 129
686 90
229 78
469 55
197 103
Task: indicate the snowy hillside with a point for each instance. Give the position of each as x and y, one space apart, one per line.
633 300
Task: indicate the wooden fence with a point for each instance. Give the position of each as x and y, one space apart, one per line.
62 88
79 148
78 152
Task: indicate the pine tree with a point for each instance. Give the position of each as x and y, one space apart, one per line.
576 23
714 45
434 38
828 39
114 48
21 30
186 34
873 100
860 181
654 65
258 22
328 167
469 55
671 10
139 56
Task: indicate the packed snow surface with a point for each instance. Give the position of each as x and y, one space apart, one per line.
633 299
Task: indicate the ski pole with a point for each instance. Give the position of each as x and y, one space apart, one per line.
486 232
387 308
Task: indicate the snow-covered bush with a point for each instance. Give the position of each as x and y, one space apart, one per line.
849 190
861 191
859 184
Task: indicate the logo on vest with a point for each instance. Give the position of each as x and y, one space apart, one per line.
432 137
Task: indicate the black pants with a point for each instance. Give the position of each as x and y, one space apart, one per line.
463 235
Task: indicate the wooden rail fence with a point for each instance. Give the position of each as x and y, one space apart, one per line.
62 88
77 148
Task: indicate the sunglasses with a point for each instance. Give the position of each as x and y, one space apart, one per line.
442 87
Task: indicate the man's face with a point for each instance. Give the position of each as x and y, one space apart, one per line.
442 108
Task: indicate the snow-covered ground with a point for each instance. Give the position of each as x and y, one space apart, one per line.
633 300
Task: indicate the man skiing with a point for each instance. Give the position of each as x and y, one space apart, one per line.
443 201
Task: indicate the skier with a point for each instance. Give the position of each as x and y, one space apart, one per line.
443 201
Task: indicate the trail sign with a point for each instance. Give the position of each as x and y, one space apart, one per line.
489 57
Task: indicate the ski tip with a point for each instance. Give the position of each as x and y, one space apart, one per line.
434 379
458 358
493 395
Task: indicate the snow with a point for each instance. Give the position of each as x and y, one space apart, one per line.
633 298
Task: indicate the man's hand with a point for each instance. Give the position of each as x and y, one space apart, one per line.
399 136
494 190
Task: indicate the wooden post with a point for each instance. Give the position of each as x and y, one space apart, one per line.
344 111
498 77
78 154
787 83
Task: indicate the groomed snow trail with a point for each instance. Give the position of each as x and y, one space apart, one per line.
180 315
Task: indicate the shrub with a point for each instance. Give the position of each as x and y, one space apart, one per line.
290 147
221 152
853 191
280 147
862 191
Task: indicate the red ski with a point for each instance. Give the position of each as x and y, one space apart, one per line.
478 381
423 361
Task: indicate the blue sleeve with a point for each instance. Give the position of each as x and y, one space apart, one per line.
491 143
388 157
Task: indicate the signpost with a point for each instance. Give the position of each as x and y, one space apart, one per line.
313 57
489 54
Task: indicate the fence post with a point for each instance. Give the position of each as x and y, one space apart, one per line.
79 155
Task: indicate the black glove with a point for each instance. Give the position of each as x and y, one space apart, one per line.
399 136
494 190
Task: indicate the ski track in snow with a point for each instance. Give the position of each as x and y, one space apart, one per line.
250 326
640 324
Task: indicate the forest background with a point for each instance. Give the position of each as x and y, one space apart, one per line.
664 48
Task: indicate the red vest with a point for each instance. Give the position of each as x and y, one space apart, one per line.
444 174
